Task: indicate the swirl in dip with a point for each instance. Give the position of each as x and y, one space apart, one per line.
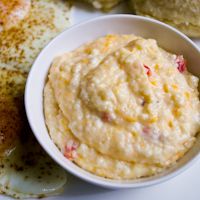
121 107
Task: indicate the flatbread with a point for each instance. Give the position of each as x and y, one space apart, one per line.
184 16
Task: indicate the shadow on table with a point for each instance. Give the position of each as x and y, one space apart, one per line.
77 189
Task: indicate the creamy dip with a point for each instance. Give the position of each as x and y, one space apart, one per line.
121 107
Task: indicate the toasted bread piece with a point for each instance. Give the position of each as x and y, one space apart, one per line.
183 15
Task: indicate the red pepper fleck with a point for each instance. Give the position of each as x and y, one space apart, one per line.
146 130
70 149
149 73
68 155
181 62
106 117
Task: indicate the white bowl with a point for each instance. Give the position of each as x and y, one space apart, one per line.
167 37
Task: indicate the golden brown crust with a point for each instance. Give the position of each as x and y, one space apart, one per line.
21 43
10 123
183 16
104 5
11 108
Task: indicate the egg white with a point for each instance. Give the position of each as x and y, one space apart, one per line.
29 172
25 169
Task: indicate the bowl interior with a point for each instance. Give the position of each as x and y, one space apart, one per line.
167 37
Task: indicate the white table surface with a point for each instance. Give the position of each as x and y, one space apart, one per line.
185 186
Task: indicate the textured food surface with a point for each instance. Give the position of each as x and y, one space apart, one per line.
25 169
121 107
23 38
12 12
26 26
184 15
11 94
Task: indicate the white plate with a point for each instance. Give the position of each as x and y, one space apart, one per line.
184 187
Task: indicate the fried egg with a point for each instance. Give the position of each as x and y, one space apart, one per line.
12 12
25 169
26 27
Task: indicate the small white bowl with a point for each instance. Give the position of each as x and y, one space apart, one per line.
167 37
